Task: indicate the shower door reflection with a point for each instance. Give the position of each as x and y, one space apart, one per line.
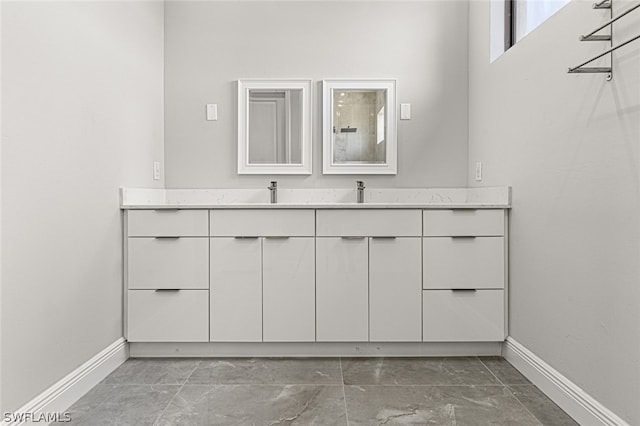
359 126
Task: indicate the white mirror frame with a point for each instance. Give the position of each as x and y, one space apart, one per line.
244 167
328 166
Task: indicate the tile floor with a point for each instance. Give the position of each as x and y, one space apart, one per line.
319 391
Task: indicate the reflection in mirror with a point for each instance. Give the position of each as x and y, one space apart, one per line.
275 130
359 126
359 130
274 127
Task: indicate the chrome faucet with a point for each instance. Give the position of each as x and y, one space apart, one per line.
360 189
273 188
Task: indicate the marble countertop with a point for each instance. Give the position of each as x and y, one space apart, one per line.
317 198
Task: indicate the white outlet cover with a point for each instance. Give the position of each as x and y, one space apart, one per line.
212 112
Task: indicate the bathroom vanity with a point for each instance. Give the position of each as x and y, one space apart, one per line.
407 272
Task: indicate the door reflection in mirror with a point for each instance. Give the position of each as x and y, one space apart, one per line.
275 130
359 126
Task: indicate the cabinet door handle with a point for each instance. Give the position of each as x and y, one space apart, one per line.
166 238
352 238
246 238
384 238
471 290
468 237
277 237
167 290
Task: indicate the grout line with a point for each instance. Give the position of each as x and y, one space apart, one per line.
176 394
509 390
344 394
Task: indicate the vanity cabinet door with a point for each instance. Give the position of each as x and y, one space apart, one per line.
236 290
464 316
467 263
342 289
167 315
395 290
168 263
288 280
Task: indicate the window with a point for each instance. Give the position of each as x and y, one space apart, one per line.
523 16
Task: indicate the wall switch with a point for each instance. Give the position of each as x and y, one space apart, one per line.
156 170
405 111
479 171
212 112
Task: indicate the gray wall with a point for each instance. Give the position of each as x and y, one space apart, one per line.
210 45
569 146
82 111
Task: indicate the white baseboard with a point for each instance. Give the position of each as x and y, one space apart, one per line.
69 389
584 409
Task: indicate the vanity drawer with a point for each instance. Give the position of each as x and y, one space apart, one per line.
469 262
174 263
463 316
369 223
262 223
168 316
168 222
463 222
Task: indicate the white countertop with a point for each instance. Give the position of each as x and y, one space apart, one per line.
317 198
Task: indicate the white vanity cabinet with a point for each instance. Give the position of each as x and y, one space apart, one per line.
236 289
368 275
262 275
395 273
464 275
360 274
342 289
288 289
167 274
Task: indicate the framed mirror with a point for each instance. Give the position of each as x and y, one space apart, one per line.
359 127
274 127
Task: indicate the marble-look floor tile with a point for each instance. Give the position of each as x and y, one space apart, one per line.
504 371
435 405
134 405
416 371
153 371
292 371
256 405
545 410
89 402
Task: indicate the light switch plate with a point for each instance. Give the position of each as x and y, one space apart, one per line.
405 111
212 112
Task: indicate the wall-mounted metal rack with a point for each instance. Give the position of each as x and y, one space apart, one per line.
592 36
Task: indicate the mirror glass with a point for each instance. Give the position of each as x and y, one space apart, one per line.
359 126
359 135
274 127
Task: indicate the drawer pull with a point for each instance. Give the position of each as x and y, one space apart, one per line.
384 238
166 210
167 290
468 237
273 237
246 238
352 238
471 290
166 238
